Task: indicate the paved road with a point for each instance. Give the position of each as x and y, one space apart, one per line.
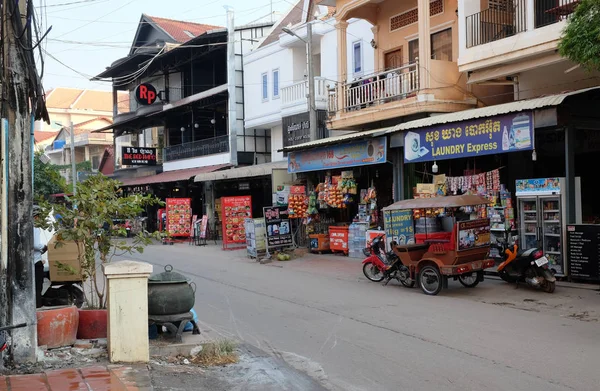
322 315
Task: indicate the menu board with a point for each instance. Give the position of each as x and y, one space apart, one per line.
473 234
235 211
203 226
279 230
179 216
583 251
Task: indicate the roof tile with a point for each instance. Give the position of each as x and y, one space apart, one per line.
177 28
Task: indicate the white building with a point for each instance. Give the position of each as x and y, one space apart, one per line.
275 73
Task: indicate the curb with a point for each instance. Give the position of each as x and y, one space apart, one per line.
562 284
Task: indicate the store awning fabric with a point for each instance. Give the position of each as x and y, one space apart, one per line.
172 176
337 139
439 202
242 172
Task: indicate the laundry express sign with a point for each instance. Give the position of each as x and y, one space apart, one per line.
133 156
145 94
484 136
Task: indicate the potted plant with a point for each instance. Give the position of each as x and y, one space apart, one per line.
83 219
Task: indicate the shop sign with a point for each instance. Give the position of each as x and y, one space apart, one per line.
179 217
482 136
399 226
133 156
583 251
279 230
357 153
145 94
235 210
473 234
203 226
538 186
296 128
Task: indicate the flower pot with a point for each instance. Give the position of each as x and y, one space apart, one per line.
92 324
57 326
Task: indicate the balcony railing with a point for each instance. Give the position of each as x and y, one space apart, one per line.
198 148
377 89
504 20
548 12
296 94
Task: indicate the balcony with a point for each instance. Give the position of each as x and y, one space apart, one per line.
377 89
198 148
294 97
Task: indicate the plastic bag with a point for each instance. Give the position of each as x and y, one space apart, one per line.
189 326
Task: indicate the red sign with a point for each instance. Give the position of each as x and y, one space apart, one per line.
203 226
235 210
179 216
298 190
145 94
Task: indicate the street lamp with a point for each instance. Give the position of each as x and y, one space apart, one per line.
311 78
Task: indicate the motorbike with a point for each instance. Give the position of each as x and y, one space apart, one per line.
62 293
529 266
379 265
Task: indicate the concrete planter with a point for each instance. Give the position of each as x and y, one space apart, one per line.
57 327
92 324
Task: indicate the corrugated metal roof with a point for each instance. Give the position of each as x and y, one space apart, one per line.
338 139
242 172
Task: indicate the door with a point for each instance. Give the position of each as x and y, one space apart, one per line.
551 224
394 59
528 217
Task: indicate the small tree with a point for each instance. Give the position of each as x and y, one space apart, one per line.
46 179
94 207
580 41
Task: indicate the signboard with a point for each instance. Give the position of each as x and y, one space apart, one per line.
537 186
235 211
472 234
357 153
482 136
145 94
279 229
399 226
179 216
203 226
296 128
583 251
134 156
255 236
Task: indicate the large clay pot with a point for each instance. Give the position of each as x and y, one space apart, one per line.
169 293
57 327
92 324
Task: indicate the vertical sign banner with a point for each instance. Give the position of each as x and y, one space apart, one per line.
235 212
203 226
399 226
279 230
179 216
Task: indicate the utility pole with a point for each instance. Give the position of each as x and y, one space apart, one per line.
73 164
18 191
231 87
311 84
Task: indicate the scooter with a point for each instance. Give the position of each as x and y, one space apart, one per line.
62 293
529 266
380 265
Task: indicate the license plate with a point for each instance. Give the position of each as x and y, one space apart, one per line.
541 261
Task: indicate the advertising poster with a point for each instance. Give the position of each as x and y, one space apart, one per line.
279 229
235 211
399 226
537 186
179 217
482 136
203 226
473 234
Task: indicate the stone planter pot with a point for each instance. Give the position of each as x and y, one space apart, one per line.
57 327
92 324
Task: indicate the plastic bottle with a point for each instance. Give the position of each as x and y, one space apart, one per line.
505 140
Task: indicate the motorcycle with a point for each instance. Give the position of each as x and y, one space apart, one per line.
62 293
529 266
380 265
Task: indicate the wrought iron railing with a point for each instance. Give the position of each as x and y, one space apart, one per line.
502 21
548 12
198 148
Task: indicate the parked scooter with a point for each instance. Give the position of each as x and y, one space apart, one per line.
529 266
380 265
62 293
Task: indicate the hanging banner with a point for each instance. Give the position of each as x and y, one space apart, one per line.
179 217
357 153
399 226
482 136
235 212
279 230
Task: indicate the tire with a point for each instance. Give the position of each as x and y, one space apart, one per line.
427 275
469 280
407 284
549 286
368 268
76 296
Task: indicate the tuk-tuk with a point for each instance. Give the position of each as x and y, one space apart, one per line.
462 253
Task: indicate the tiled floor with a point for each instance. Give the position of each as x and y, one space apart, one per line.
114 378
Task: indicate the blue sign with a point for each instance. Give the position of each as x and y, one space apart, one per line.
399 226
357 153
537 186
483 136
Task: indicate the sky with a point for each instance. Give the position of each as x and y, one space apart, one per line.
88 35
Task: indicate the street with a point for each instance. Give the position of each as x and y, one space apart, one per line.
320 314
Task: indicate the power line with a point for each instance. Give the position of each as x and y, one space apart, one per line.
73 2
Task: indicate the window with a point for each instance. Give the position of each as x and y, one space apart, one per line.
441 45
357 57
276 83
265 86
96 162
413 50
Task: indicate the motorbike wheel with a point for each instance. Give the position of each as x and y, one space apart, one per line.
549 286
430 280
372 272
408 283
468 280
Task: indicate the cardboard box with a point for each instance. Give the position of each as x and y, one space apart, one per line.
66 254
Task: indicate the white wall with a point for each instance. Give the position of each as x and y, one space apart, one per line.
276 143
223 158
552 79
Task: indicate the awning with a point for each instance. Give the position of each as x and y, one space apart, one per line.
337 139
242 172
172 176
